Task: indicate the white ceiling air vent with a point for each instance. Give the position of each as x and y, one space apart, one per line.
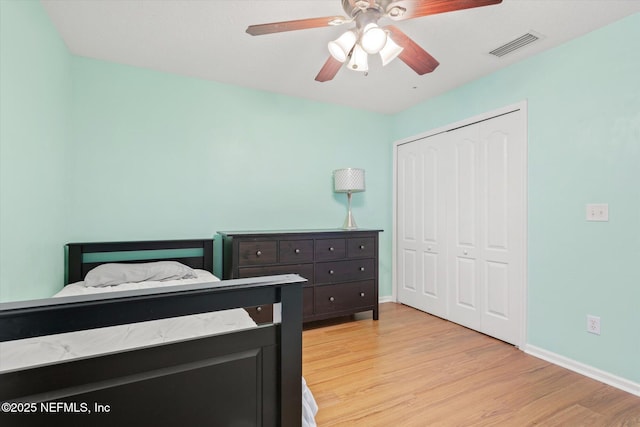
516 44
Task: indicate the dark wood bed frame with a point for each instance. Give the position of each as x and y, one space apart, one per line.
250 377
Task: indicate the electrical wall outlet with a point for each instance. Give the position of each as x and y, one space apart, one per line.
593 324
598 212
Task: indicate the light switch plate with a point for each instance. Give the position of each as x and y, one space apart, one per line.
598 212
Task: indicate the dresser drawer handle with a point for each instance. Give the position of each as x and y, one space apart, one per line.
297 251
258 253
331 271
361 268
361 294
259 309
361 246
331 249
332 299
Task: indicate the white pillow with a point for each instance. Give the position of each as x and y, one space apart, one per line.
115 274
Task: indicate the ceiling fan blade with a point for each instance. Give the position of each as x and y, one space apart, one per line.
300 24
418 8
413 55
329 70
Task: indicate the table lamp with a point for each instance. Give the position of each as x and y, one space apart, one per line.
349 180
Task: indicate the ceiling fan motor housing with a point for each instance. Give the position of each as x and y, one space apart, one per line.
383 7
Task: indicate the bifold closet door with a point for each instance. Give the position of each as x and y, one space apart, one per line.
468 207
485 235
421 199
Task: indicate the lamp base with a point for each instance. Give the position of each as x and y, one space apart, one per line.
349 222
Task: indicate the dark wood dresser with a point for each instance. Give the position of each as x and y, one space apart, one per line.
341 267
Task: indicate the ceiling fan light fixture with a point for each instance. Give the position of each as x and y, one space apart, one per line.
373 38
367 38
390 51
340 47
359 61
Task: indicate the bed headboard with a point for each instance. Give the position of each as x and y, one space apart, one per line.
82 257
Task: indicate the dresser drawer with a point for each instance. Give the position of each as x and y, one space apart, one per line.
344 296
296 251
304 270
361 247
254 253
341 271
327 249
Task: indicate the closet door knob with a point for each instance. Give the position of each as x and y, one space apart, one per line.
297 251
332 299
465 252
258 253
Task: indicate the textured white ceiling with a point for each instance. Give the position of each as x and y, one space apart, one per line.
207 39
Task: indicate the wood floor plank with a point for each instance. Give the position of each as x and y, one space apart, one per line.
413 369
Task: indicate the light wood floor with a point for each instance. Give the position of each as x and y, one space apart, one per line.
413 369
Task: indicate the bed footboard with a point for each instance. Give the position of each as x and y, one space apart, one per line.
250 377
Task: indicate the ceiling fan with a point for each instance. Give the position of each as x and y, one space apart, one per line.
367 37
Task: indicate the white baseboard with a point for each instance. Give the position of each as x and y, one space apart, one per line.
586 370
386 299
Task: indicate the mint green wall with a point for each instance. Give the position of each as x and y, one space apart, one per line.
584 147
162 156
35 96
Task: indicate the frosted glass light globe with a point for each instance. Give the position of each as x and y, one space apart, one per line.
373 39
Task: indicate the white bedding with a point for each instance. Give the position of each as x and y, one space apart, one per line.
70 345
53 348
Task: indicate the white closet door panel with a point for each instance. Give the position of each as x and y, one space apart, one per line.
435 159
433 260
409 178
421 203
431 275
408 196
430 203
465 283
409 281
463 211
463 302
465 189
496 167
503 228
409 203
497 294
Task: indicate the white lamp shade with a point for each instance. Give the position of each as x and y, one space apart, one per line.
359 61
373 39
348 180
390 51
340 47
